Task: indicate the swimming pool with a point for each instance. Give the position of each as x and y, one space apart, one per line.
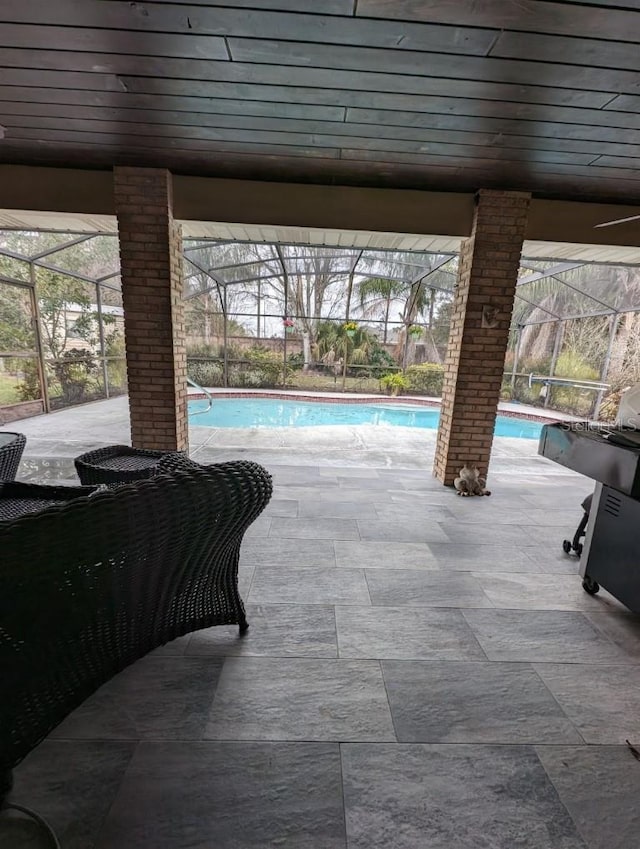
276 412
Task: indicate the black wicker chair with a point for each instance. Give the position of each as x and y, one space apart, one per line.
91 585
118 464
11 448
18 498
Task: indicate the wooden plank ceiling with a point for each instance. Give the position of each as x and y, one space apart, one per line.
526 94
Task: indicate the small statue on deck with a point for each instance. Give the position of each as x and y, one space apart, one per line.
469 482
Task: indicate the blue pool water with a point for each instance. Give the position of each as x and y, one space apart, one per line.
274 412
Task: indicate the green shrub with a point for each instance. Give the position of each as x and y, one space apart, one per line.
394 383
117 376
295 361
116 364
206 372
29 387
77 373
261 368
426 379
579 402
203 352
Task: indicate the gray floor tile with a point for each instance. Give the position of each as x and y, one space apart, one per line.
481 511
421 514
228 796
245 577
308 585
568 496
384 555
621 628
293 699
548 534
556 516
541 635
485 534
292 552
279 630
405 634
551 559
600 787
465 557
312 509
426 483
288 683
303 476
176 648
401 530
540 592
72 785
452 797
416 498
411 474
425 588
166 698
603 702
314 529
361 473
261 527
453 702
371 483
333 494
282 507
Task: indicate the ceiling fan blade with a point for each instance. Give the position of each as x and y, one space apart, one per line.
617 221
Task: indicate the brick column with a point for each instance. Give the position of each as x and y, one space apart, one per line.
151 267
480 322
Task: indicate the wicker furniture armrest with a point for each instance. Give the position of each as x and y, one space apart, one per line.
18 498
118 464
91 585
10 455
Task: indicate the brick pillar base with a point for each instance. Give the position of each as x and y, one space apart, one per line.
480 322
151 268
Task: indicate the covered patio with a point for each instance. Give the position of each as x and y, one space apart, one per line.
420 669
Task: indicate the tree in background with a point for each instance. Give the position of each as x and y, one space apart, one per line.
16 327
69 327
314 289
377 294
69 331
417 290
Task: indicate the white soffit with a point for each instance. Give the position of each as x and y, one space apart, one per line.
14 219
612 254
364 239
65 222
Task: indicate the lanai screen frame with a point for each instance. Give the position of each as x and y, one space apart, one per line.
46 260
40 259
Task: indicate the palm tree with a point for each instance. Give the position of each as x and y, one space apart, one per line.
378 293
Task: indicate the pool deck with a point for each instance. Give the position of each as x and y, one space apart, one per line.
508 408
421 670
67 433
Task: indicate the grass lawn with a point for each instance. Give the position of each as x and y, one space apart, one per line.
8 389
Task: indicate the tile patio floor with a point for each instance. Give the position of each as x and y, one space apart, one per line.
421 672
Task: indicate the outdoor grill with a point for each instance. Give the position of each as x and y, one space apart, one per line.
611 456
